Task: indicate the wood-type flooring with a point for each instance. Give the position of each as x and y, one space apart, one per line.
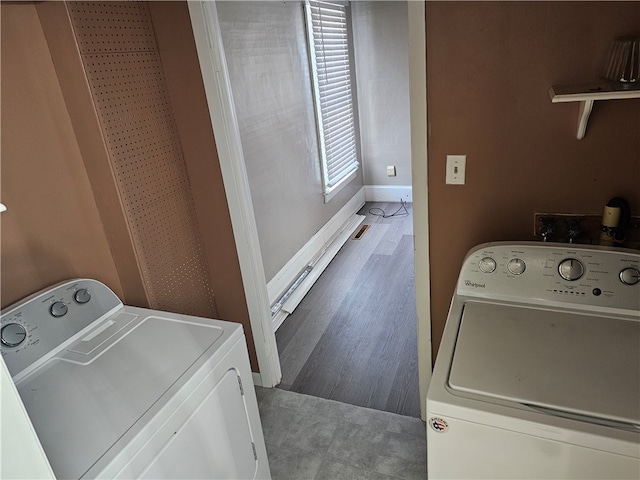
353 336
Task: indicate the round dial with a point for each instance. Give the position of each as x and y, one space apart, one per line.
571 269
58 309
487 265
82 296
13 334
516 266
630 276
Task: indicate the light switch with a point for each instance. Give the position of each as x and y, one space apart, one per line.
456 165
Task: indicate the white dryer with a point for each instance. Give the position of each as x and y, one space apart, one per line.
538 371
115 391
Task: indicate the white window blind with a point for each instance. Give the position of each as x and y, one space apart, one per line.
327 30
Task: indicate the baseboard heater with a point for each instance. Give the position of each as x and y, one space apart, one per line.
278 305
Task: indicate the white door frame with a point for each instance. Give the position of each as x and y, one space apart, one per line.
419 128
206 31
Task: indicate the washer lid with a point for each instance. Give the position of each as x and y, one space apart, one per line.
575 363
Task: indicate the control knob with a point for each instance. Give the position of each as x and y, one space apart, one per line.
82 296
571 269
630 276
487 265
517 266
13 334
58 309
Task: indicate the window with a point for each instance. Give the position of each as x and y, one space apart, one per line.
327 31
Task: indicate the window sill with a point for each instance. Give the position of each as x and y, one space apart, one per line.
339 186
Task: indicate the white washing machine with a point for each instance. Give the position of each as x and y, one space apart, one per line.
115 391
538 371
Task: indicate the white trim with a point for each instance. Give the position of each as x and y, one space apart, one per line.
318 268
339 186
278 319
388 193
257 379
215 75
281 281
419 134
322 262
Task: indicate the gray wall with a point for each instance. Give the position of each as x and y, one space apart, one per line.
380 31
266 51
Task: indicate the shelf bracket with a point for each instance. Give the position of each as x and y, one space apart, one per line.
583 117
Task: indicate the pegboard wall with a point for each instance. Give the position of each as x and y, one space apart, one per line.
124 71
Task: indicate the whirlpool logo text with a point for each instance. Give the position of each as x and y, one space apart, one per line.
469 283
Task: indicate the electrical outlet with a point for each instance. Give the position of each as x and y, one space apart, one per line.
391 170
456 165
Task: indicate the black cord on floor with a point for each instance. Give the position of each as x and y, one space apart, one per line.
397 213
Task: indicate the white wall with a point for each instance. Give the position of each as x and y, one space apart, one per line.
380 31
266 51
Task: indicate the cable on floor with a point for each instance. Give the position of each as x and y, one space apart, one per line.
398 213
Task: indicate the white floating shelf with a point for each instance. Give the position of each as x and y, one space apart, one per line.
587 94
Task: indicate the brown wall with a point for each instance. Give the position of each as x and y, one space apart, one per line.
489 67
129 193
51 230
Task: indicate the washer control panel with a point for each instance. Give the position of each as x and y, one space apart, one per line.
540 272
39 324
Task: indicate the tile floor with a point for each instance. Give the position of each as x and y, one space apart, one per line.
313 438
